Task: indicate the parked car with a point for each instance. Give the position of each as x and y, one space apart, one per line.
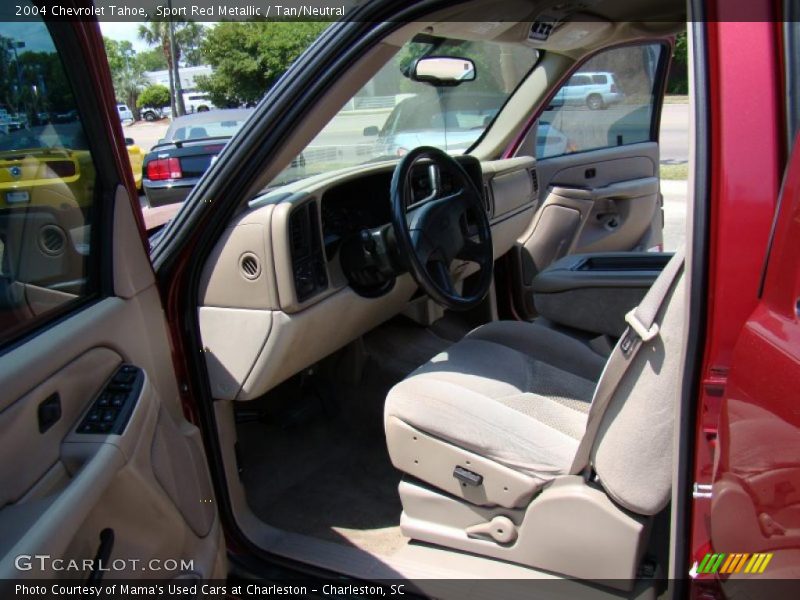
136 158
125 113
175 164
150 113
448 120
488 388
66 116
45 166
197 102
595 90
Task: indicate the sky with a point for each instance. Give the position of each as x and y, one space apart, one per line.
123 31
117 30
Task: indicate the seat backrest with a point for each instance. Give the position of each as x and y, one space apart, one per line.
632 451
197 133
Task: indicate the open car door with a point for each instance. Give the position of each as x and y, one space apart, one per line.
755 494
98 461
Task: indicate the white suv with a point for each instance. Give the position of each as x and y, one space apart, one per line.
197 102
125 113
596 90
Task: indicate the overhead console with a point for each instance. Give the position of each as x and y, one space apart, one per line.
561 29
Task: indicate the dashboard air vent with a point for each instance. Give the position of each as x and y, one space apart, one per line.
250 266
308 262
52 240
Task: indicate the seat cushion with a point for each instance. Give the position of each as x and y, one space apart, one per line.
513 392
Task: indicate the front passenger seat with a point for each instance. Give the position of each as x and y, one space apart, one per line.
493 434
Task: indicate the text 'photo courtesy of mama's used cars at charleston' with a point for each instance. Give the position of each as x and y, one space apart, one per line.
448 314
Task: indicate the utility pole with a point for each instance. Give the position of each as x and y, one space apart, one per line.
181 108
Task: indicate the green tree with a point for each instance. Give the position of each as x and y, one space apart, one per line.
40 83
127 73
679 72
249 57
188 37
152 60
120 54
156 33
156 96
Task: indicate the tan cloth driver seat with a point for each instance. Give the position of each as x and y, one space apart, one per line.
516 396
513 392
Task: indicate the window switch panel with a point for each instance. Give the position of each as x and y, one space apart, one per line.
112 409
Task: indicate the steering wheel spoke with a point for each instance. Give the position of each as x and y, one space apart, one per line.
440 272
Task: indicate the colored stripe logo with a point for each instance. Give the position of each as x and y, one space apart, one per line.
729 564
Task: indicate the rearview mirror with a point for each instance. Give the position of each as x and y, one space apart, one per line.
443 70
371 131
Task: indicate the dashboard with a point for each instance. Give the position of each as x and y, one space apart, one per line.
276 277
352 206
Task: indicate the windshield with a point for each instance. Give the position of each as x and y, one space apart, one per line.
207 125
393 114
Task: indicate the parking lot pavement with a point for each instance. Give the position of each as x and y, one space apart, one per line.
146 133
673 135
675 204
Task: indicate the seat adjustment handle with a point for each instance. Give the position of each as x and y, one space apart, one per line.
501 529
467 477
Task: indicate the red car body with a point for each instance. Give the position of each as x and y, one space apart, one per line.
748 391
749 376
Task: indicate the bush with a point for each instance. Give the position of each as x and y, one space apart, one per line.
155 96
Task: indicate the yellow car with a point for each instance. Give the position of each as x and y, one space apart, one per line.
136 157
57 177
51 166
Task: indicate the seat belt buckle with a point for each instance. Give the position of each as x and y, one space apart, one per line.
645 334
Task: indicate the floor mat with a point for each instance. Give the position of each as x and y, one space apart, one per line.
334 486
400 346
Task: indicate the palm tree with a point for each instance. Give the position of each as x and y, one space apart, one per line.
128 83
156 33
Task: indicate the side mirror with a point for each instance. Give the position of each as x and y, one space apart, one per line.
371 131
443 70
129 141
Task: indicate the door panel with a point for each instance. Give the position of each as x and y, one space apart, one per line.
600 201
597 163
95 443
622 190
150 484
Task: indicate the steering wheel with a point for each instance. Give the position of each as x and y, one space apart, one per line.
434 231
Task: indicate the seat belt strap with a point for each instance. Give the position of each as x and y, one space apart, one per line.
642 328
